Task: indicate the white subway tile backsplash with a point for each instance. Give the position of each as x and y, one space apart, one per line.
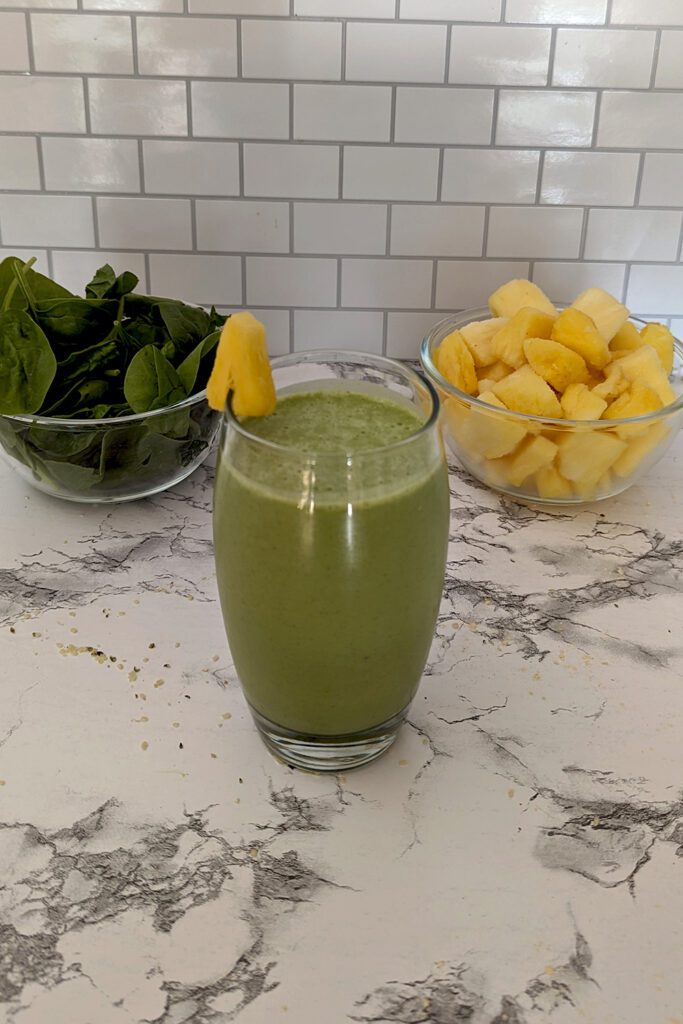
545 118
609 58
656 290
137 107
205 280
373 172
291 281
344 8
19 163
242 226
144 223
254 7
29 104
74 268
13 42
323 328
499 55
387 284
158 6
490 175
557 12
198 47
437 230
662 183
306 171
647 12
637 120
240 110
451 10
590 178
464 283
46 220
276 323
291 49
41 264
669 63
395 53
101 43
534 232
405 332
355 113
562 282
91 165
197 168
444 115
41 4
632 235
344 228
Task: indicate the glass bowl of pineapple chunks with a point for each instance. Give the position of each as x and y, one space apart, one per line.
556 404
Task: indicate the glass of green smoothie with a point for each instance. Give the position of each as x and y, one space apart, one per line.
331 529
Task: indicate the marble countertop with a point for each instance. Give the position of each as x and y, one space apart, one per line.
516 857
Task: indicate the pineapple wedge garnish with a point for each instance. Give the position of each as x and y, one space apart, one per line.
525 391
508 343
555 363
577 331
515 295
579 403
454 361
607 314
662 341
479 336
242 366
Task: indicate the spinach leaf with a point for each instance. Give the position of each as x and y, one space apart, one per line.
106 285
151 381
27 364
189 368
41 287
64 320
185 324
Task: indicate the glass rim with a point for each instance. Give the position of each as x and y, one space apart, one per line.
458 320
354 356
73 423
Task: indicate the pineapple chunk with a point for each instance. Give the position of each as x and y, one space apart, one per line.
485 384
644 365
515 295
626 339
551 484
496 371
578 403
662 341
578 332
455 412
533 454
454 361
508 343
491 399
613 385
478 337
589 487
638 448
242 366
638 400
525 391
555 363
489 435
607 314
585 456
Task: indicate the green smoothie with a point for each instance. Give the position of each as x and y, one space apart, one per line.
331 569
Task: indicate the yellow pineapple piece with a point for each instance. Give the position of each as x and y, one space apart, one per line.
644 365
586 455
478 337
555 363
613 385
515 295
662 341
455 413
607 314
577 331
589 488
508 343
579 403
639 448
551 484
525 391
242 366
491 399
485 384
637 400
532 455
626 339
495 371
454 361
489 435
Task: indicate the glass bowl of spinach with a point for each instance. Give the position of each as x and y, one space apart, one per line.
102 397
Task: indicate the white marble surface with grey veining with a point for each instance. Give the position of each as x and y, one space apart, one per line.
516 858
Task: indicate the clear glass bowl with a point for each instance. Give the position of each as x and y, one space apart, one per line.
615 453
117 459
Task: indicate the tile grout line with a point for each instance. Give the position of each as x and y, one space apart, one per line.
238 44
655 58
141 167
387 246
339 282
432 298
449 41
343 51
627 281
292 249
340 182
485 233
639 180
551 57
148 272
539 180
134 41
680 245
243 271
290 112
494 120
392 115
29 43
291 327
596 121
581 255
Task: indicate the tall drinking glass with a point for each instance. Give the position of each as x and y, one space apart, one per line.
331 565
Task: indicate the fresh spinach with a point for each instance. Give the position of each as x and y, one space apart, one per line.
152 382
27 364
106 285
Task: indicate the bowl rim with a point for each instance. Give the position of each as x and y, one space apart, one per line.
34 419
465 316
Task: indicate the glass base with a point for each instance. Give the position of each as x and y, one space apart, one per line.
328 753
